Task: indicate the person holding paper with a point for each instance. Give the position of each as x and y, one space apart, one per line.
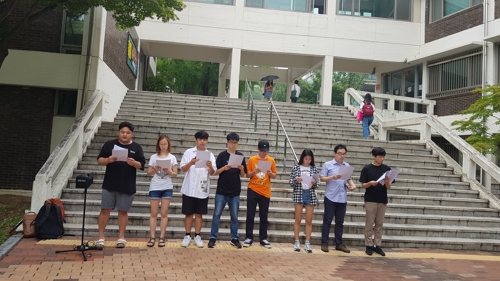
304 195
163 167
335 202
195 188
228 189
375 200
259 192
119 185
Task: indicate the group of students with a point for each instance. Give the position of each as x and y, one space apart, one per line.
119 188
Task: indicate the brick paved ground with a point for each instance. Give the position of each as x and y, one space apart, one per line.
30 260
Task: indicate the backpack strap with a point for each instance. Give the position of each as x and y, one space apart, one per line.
46 215
59 218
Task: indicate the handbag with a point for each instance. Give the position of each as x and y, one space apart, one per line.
359 116
29 224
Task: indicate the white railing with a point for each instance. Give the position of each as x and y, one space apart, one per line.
429 125
382 115
55 173
471 158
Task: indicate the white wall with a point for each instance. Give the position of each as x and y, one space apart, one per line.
115 90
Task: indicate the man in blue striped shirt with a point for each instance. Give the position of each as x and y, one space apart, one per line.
335 202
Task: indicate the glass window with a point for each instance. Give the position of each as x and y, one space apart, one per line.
73 29
278 4
403 9
66 103
255 3
376 8
443 8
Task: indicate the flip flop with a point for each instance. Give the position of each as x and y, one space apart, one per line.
100 243
120 243
151 242
161 242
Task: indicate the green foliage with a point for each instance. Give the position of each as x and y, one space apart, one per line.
481 115
155 84
341 82
179 75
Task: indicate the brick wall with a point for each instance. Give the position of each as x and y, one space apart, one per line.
42 35
497 9
115 52
452 24
26 126
454 104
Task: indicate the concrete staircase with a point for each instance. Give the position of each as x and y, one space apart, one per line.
429 206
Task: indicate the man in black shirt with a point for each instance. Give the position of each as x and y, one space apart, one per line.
375 200
228 190
119 185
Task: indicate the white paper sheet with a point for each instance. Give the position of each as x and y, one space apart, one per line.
264 166
120 153
235 160
345 172
391 174
316 177
202 157
306 181
164 164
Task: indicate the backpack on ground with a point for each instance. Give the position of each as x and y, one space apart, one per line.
49 221
29 224
367 110
58 202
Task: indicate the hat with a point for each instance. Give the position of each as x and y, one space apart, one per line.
263 145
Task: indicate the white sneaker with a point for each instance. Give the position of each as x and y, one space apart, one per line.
265 243
186 241
307 247
296 247
247 242
198 242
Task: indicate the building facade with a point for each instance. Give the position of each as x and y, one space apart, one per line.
426 49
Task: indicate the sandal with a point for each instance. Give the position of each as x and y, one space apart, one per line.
120 243
100 243
151 242
161 242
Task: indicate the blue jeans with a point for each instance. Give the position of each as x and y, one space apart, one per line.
333 209
233 203
367 121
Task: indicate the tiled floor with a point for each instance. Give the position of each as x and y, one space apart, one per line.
32 260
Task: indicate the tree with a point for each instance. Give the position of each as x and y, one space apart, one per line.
481 112
341 82
179 75
126 13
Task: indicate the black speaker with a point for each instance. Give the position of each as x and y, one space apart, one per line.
84 181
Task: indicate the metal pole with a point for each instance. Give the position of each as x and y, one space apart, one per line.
248 98
284 155
277 129
251 113
270 116
255 124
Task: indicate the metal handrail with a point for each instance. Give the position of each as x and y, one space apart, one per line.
287 139
252 105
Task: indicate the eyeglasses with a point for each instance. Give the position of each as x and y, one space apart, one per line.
341 154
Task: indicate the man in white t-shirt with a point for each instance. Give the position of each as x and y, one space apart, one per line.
195 188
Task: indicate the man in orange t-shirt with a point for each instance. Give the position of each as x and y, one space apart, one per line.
259 192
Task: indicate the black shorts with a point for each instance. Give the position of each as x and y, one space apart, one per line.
193 205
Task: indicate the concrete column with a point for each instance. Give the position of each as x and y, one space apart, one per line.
326 81
425 129
468 167
235 73
222 81
425 80
289 85
491 70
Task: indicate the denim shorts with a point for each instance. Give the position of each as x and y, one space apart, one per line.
157 194
306 197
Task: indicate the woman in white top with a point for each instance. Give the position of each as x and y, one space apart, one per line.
163 167
296 88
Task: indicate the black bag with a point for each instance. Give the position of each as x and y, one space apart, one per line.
49 222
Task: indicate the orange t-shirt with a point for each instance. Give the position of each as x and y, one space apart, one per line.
261 185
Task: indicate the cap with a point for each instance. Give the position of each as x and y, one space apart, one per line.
263 145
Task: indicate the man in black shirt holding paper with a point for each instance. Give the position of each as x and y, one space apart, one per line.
228 190
375 200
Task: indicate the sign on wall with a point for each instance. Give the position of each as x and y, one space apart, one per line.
132 56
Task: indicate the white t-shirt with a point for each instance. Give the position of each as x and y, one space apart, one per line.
196 180
297 88
160 180
307 171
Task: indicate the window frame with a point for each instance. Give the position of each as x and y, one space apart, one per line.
431 9
356 4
